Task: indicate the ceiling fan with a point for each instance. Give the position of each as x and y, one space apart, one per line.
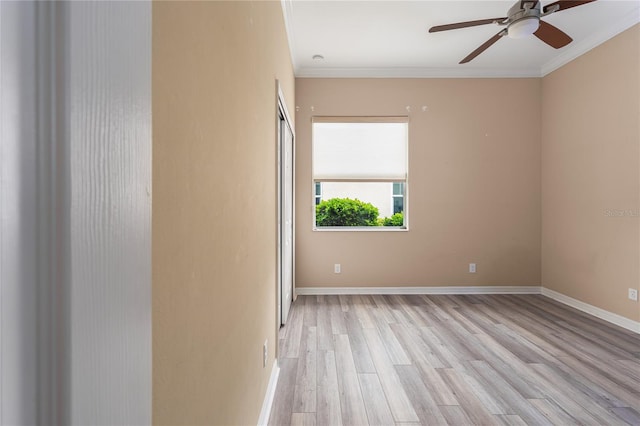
522 20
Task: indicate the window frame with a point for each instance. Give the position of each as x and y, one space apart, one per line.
405 181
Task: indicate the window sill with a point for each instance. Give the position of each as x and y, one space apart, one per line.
360 229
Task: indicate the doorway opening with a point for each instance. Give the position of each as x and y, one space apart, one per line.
285 210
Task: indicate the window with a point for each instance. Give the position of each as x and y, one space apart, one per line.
357 164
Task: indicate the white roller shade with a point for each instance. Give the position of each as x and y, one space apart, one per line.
360 151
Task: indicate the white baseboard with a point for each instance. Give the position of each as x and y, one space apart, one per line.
419 290
268 397
574 303
593 310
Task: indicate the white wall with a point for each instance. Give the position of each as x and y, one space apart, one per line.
75 213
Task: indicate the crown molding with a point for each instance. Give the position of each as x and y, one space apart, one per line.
417 72
597 38
287 14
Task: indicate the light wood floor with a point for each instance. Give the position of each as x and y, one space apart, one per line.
461 360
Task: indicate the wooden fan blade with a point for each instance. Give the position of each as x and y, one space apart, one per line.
464 24
565 4
484 47
553 36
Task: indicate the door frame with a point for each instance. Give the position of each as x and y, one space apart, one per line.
281 109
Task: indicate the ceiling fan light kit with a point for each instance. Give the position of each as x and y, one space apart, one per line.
524 27
523 19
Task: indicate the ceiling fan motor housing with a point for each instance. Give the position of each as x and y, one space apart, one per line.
530 9
523 19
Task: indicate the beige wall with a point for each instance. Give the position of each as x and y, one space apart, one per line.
474 184
591 171
214 204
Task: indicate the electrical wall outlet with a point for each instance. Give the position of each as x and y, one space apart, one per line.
265 353
633 294
472 268
336 268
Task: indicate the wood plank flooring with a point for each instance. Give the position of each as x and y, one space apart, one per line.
458 360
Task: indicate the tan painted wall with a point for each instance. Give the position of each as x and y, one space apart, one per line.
591 174
214 206
474 184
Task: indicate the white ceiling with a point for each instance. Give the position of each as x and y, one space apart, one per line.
373 38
